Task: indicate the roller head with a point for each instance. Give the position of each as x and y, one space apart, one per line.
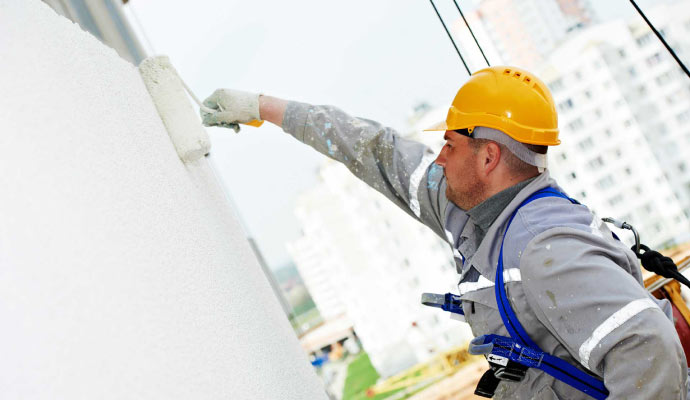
180 119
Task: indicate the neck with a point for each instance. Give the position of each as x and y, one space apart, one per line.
507 180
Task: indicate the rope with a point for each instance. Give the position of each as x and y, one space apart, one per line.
670 50
472 33
450 37
656 262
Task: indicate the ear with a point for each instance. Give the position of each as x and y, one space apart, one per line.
491 156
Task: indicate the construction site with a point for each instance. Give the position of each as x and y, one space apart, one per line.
182 218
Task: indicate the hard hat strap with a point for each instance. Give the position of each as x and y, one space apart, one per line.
515 147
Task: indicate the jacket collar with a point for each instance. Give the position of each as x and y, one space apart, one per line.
485 258
485 213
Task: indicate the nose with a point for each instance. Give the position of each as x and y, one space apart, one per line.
441 158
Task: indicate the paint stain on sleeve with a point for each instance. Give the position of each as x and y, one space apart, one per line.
552 297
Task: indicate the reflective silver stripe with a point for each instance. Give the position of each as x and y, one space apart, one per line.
416 179
512 275
509 275
614 321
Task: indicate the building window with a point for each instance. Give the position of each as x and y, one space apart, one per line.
616 200
663 79
654 59
566 105
682 167
576 125
621 53
596 162
644 39
606 182
632 72
585 144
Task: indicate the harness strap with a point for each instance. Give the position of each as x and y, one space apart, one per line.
519 347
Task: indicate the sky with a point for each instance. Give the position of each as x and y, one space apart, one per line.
374 59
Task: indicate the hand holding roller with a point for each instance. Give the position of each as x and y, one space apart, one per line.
228 107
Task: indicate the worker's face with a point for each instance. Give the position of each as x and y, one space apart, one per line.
460 164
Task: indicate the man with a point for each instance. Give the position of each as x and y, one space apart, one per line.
576 290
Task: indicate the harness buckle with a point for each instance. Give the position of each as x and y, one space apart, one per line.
513 372
500 369
487 384
526 355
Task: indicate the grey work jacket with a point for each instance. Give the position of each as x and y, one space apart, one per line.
576 290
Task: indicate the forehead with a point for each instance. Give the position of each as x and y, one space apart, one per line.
450 135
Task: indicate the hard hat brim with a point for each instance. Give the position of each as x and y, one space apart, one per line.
439 126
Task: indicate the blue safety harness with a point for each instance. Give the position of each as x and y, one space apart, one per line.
519 347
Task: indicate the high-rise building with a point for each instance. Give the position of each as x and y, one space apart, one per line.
525 31
623 107
360 252
578 12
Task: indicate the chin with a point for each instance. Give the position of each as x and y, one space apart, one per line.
450 195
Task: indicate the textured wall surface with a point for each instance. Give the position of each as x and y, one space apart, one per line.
123 273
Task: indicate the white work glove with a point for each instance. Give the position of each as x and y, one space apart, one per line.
230 107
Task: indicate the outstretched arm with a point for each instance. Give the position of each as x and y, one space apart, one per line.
401 169
272 109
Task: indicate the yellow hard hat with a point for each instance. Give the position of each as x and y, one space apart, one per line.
508 99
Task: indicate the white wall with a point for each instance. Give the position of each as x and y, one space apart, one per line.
123 273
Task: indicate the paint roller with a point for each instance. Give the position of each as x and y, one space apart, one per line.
181 121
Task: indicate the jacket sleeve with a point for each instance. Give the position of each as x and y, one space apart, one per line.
607 321
403 170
